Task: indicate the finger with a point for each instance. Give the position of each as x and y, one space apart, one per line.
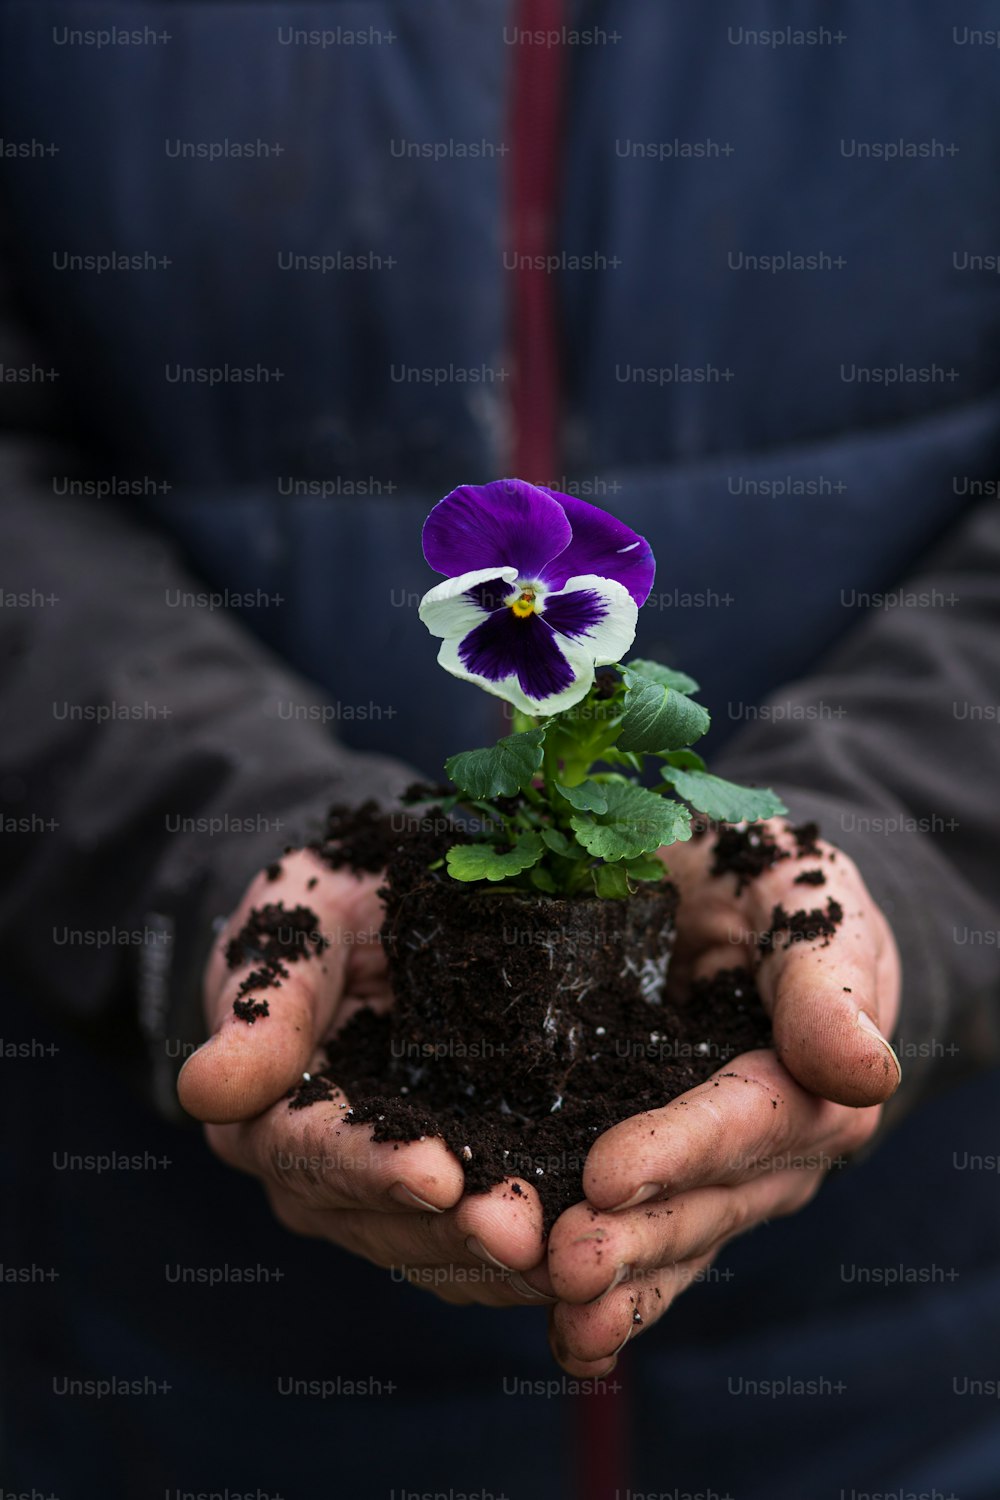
498 1229
730 1128
460 1285
590 1253
833 999
825 1005
451 1254
328 1164
245 1067
586 1341
833 996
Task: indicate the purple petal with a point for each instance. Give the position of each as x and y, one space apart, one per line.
508 523
490 595
603 545
504 645
574 614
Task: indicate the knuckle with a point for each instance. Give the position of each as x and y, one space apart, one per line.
737 1215
858 1129
291 1214
226 1142
801 1192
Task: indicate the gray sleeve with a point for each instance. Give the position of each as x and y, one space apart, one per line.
893 747
153 758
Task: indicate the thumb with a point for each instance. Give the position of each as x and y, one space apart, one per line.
307 916
828 1008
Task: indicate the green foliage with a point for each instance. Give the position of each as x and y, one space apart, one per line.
723 800
645 867
558 809
611 881
589 796
501 770
657 717
622 878
484 862
665 676
637 821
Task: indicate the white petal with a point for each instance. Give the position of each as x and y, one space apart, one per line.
608 640
445 610
508 688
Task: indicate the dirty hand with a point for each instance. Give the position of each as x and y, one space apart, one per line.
665 1190
398 1205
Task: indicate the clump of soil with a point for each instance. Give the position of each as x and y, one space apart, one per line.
523 1027
272 933
631 1060
274 937
810 877
354 838
804 926
250 1010
746 851
806 837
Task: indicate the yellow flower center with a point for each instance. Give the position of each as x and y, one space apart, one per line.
524 604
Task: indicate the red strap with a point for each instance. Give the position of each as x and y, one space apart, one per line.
537 95
603 1438
536 121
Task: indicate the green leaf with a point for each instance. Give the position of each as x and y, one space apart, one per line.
620 879
637 821
501 770
483 862
558 843
687 760
659 718
589 796
542 880
665 676
627 758
611 882
645 867
723 800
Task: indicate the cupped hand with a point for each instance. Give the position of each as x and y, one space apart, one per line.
665 1190
401 1206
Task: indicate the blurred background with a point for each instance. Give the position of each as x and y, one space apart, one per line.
275 277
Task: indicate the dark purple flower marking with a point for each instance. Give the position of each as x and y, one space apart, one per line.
574 580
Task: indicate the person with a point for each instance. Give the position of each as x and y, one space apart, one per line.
270 290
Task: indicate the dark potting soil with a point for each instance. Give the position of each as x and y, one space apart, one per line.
523 1027
250 1010
746 852
629 1062
806 837
274 937
810 877
272 933
354 838
804 926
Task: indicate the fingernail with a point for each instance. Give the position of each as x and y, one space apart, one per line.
400 1193
867 1024
191 1055
475 1247
622 1273
525 1288
641 1195
624 1341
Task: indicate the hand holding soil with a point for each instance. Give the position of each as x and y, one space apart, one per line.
396 1204
530 1028
666 1189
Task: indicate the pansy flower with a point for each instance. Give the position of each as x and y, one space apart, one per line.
541 588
